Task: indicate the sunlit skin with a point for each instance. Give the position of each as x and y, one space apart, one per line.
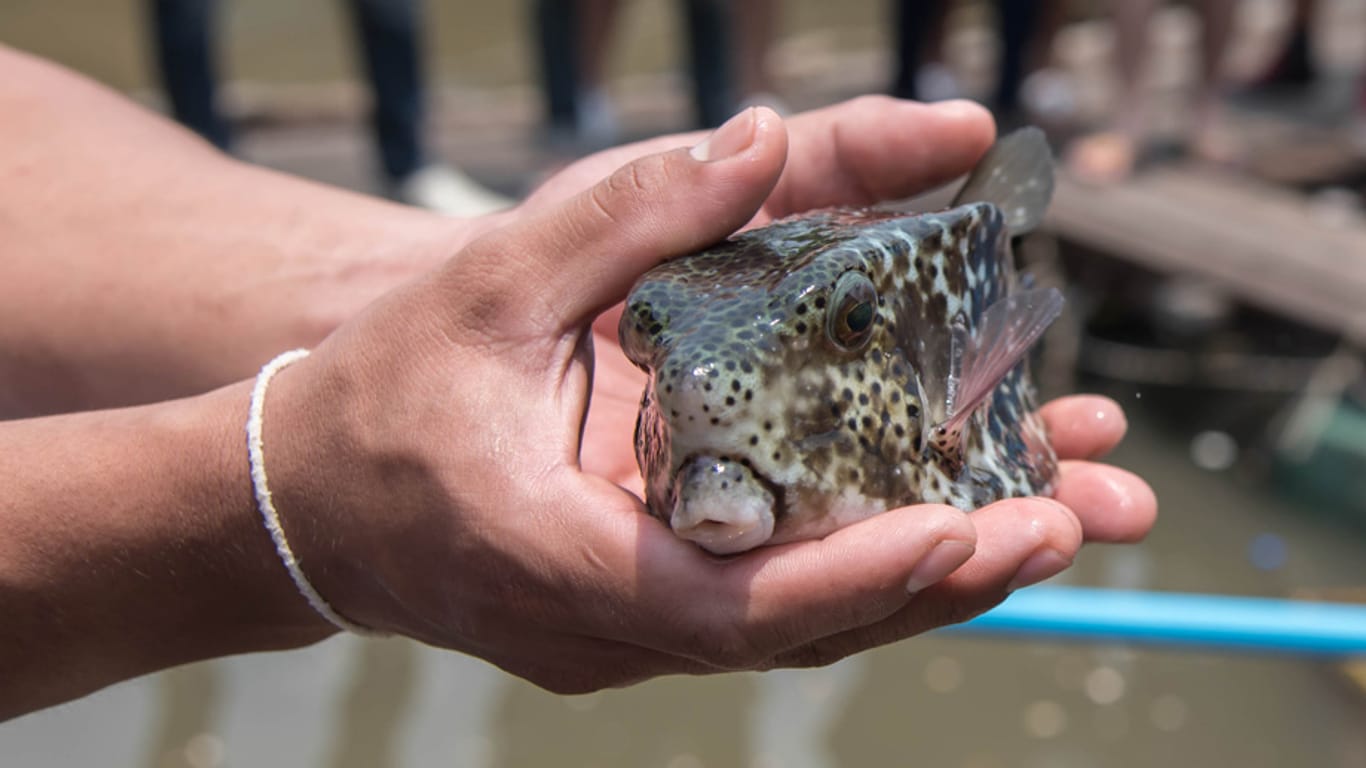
454 461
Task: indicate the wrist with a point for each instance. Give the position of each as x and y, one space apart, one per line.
130 542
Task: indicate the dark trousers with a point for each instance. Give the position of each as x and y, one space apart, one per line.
1017 19
707 27
387 35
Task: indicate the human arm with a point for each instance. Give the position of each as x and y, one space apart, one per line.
426 463
140 263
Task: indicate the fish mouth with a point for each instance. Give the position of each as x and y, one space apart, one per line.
723 504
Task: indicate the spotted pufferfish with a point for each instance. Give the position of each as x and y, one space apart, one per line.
837 364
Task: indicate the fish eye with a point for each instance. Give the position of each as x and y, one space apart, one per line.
852 307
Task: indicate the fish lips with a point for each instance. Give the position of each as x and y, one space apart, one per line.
723 505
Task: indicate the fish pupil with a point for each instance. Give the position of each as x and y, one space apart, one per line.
852 319
859 317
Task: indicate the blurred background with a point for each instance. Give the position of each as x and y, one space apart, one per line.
1208 230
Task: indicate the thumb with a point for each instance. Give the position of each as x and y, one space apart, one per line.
575 259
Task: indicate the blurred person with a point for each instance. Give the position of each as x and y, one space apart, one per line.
1294 65
1111 155
919 71
1026 29
184 35
453 462
727 44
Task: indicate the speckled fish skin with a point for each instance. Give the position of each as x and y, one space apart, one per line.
761 397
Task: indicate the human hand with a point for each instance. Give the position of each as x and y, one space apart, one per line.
426 458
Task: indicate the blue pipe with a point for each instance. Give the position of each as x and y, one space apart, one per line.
1261 625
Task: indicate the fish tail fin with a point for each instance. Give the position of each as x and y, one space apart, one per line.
1007 330
1016 175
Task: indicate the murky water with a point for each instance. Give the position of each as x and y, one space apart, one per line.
932 701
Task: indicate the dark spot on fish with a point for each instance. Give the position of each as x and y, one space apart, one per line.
754 440
801 309
877 388
801 328
853 424
847 394
863 398
730 401
730 365
735 385
820 302
768 426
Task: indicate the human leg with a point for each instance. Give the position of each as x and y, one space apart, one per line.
390 48
183 42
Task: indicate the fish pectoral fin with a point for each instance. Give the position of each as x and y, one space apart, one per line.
1016 175
1005 333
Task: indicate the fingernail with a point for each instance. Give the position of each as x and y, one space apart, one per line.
1040 565
940 562
732 138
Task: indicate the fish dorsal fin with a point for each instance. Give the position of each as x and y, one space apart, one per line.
1016 175
1005 333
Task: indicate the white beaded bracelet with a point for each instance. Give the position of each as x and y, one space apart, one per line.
271 518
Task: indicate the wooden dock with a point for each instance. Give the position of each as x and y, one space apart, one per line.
1268 246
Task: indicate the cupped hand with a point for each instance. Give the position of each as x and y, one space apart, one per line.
426 459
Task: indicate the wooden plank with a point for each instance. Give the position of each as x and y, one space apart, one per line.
1264 245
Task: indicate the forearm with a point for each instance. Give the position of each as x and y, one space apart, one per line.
141 264
129 542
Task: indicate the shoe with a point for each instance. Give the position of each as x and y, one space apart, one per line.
447 190
597 124
937 82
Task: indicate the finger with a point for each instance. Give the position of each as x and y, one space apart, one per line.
1112 504
858 152
737 613
579 257
877 148
580 664
1019 542
1084 426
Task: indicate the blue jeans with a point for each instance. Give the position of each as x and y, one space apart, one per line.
186 55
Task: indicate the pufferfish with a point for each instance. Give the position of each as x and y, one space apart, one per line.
837 364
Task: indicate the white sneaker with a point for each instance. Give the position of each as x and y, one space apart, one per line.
598 126
937 82
447 190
